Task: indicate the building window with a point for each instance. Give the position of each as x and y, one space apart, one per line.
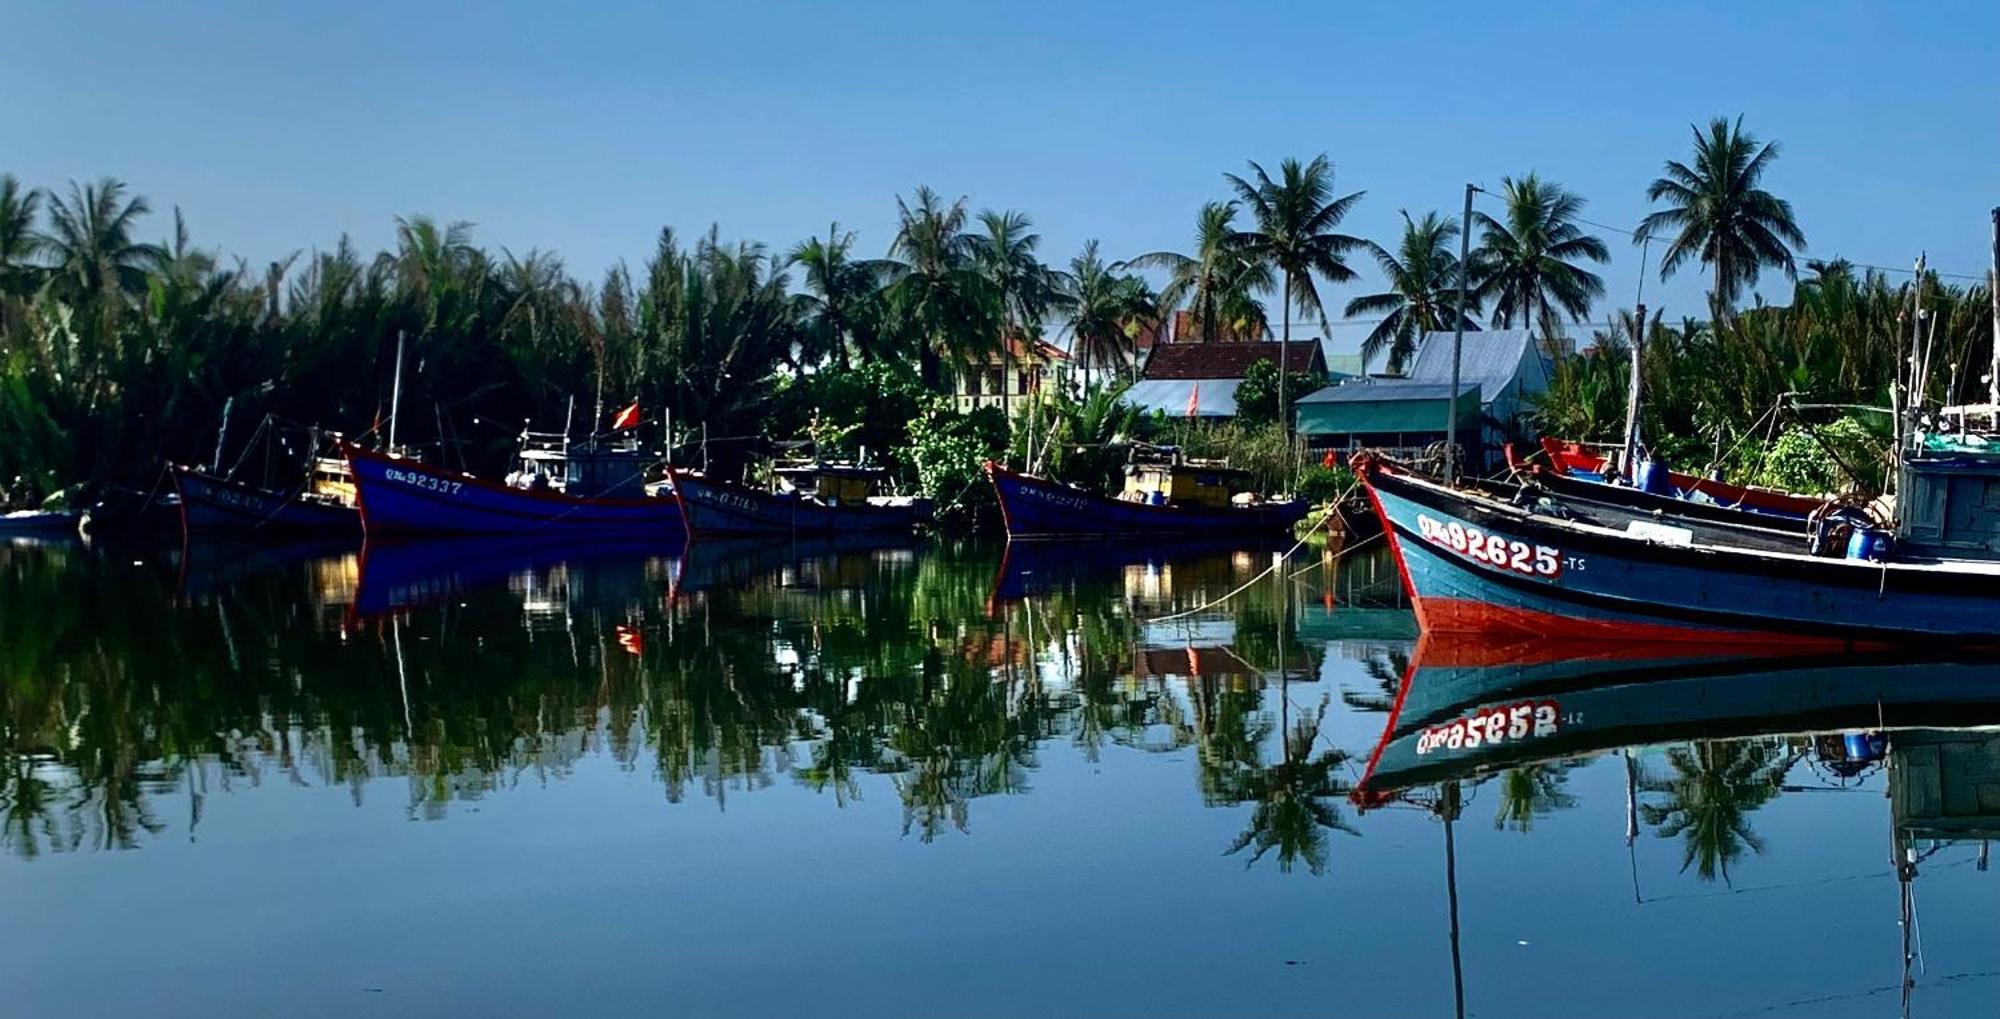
996 381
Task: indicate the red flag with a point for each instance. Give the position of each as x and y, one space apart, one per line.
1194 399
627 418
632 641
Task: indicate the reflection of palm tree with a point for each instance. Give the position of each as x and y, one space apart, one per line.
1387 667
1707 798
1532 791
1295 800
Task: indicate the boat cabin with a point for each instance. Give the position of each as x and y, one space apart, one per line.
1162 477
598 467
328 478
836 484
1948 499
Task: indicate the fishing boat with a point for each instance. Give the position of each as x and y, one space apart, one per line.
1164 494
807 498
1481 558
213 504
592 485
1580 464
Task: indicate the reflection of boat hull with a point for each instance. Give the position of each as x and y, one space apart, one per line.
734 562
1476 564
718 508
399 496
1034 568
218 505
1455 719
1037 508
400 575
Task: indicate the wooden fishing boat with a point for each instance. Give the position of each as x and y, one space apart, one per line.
1164 494
1470 706
212 504
589 486
809 499
1476 560
40 523
1577 461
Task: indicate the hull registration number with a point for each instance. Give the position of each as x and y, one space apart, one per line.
424 481
1492 549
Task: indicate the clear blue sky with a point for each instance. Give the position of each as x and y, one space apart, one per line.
584 129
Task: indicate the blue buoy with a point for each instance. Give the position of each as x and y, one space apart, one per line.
1867 543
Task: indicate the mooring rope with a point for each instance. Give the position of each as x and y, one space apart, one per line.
1332 513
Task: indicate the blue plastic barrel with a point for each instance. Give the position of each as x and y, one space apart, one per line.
1653 476
1867 543
1863 746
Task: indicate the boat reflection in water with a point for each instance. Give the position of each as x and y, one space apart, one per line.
1727 729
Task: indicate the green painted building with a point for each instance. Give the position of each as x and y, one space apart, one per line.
1385 414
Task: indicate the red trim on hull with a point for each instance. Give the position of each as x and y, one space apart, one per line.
1465 615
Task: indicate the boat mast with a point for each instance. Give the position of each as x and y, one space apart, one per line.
1993 290
1457 343
215 467
1638 350
396 393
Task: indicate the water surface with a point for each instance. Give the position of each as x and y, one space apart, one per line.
763 778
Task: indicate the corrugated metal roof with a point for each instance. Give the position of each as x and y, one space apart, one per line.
1383 391
1490 358
1217 397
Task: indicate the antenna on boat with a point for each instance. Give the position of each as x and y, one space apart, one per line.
396 392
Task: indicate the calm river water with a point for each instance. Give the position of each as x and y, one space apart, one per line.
763 779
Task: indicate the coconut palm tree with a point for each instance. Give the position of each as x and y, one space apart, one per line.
936 294
1294 221
19 275
1021 287
96 260
1106 308
1219 282
1422 295
1527 265
1717 213
838 307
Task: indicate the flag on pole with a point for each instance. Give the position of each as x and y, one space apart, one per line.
1194 399
627 418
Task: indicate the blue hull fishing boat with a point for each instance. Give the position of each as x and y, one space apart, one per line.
818 499
1468 707
402 496
210 504
1475 560
1161 499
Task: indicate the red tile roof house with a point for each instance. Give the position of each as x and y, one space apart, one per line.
1205 375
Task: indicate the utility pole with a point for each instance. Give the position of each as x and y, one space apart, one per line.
1457 341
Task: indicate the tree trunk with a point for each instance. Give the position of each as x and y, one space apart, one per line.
1285 359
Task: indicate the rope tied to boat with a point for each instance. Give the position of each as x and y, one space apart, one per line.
1332 513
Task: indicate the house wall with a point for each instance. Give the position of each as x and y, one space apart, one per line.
982 384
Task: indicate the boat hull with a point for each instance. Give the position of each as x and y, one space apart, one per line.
1579 463
1037 508
212 505
717 508
1476 565
399 496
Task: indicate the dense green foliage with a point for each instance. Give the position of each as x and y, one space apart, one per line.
1721 392
1258 394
